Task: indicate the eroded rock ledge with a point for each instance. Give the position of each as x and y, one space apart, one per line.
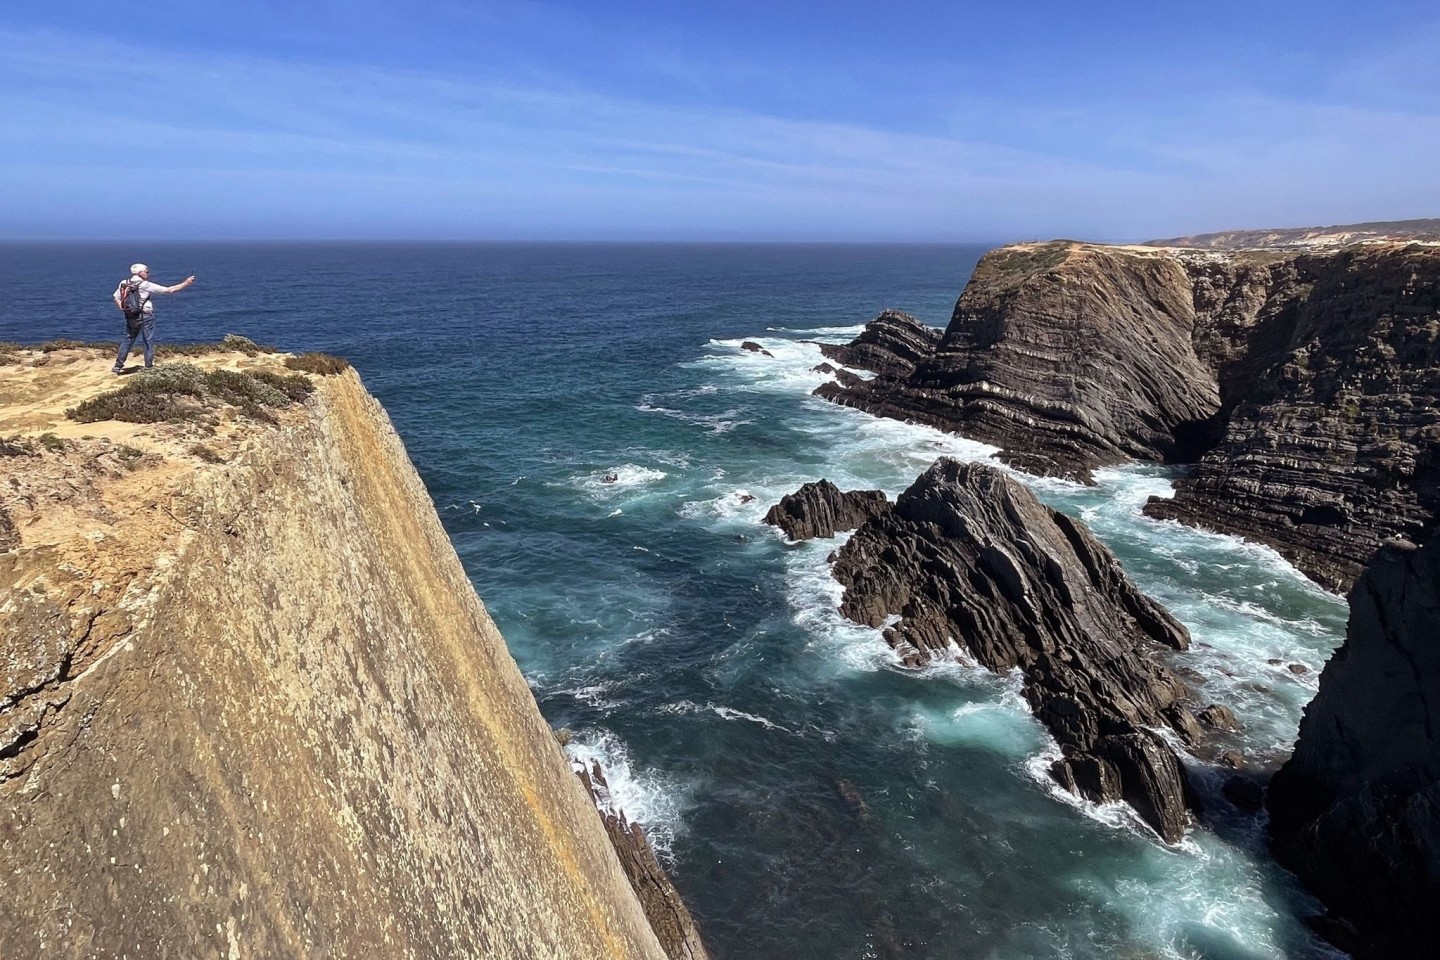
966 555
1356 810
1306 383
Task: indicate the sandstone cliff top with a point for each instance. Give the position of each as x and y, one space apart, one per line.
64 480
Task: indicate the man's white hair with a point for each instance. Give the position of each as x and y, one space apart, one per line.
138 268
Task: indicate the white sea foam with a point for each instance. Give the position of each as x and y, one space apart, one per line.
613 480
814 596
683 707
646 797
994 725
713 423
828 334
787 369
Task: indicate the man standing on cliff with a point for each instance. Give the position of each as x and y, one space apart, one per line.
133 298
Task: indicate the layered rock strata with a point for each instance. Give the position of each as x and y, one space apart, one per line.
1306 383
251 706
892 344
821 509
1356 810
1333 445
968 556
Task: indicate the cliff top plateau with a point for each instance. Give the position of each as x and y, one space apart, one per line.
250 704
1427 230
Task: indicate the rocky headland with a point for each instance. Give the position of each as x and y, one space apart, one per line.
1303 383
967 558
1281 238
250 704
1356 810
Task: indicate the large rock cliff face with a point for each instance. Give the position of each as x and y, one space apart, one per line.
1356 809
1305 383
1331 443
254 708
968 556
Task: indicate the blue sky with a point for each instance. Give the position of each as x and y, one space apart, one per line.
725 121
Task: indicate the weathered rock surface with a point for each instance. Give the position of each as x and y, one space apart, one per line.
1332 446
820 509
256 709
1356 810
892 343
667 913
969 556
1305 382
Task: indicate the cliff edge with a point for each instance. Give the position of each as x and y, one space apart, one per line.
250 704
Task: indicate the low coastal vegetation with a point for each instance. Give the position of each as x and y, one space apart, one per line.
182 392
323 364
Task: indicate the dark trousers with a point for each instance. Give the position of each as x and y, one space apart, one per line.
146 333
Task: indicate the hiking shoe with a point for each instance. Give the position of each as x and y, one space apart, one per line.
117 370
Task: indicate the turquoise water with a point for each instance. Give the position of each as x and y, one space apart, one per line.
601 451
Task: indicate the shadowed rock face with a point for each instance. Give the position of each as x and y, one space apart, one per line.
1356 810
821 510
969 556
1306 384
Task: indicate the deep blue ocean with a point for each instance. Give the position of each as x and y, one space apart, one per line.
601 451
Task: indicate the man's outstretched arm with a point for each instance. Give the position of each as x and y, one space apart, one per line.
179 286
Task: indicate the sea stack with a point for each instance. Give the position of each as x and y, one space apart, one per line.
968 556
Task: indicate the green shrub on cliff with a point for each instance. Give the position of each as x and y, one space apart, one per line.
179 392
321 363
66 343
231 342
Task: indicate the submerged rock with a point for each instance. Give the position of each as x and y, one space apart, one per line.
968 556
1356 810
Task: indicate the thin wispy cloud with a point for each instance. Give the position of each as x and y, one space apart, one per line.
235 144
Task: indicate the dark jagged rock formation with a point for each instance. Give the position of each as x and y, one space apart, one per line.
969 556
822 510
668 916
892 344
1307 383
1356 810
